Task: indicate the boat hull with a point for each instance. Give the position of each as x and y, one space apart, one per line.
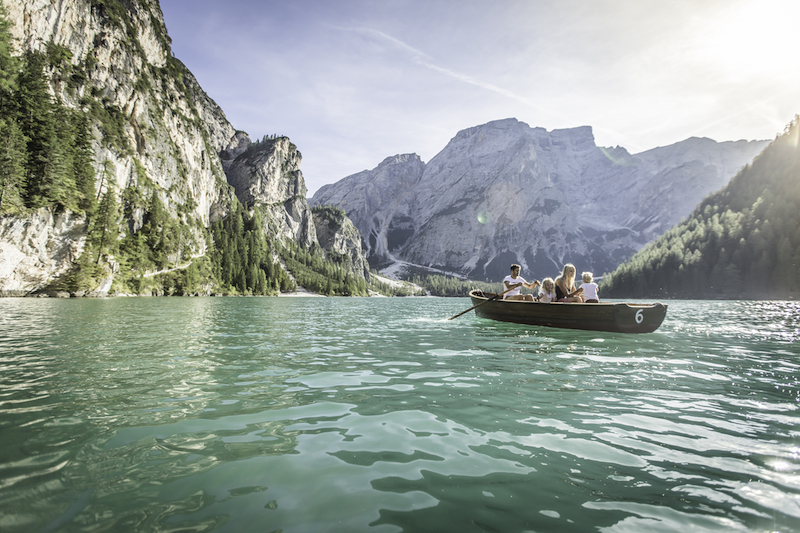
611 316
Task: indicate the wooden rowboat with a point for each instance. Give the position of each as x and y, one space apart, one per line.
604 316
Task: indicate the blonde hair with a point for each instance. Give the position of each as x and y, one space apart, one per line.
569 267
568 275
587 277
548 282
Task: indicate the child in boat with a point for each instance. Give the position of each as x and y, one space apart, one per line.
514 282
589 289
547 293
565 285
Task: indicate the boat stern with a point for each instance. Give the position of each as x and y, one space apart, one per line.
640 318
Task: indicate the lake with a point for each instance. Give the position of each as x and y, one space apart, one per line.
378 414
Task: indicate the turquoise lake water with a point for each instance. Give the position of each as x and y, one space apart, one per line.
378 414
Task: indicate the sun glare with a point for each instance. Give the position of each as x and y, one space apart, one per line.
756 37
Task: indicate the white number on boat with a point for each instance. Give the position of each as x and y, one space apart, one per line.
639 316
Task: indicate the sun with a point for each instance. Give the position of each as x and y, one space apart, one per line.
756 37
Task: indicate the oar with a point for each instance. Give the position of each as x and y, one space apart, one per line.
495 297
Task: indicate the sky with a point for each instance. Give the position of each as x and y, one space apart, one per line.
352 82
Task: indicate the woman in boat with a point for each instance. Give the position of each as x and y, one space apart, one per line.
547 293
565 286
513 284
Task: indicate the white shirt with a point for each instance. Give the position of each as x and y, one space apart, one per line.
512 281
589 291
547 297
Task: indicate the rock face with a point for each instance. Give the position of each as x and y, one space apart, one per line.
504 192
267 174
379 202
171 131
37 249
339 237
174 141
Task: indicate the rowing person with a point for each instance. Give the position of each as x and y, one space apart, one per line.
513 284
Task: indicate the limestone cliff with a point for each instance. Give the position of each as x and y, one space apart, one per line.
381 203
342 241
157 139
121 71
267 175
38 248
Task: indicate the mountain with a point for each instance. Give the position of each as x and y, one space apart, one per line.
267 174
504 192
119 162
741 242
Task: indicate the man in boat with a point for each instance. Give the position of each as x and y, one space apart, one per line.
513 284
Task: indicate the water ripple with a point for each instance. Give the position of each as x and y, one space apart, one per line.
252 414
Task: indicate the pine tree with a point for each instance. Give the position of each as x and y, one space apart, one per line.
105 227
153 229
12 167
9 65
83 168
12 143
37 121
58 179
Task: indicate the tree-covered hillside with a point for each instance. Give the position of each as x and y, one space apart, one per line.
47 162
45 148
742 242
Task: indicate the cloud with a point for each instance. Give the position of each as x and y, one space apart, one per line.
421 58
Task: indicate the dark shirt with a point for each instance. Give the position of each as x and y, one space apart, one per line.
559 293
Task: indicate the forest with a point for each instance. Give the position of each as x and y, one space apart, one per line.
742 242
441 285
45 149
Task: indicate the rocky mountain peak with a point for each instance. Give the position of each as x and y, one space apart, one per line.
341 240
267 172
504 192
399 159
266 175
